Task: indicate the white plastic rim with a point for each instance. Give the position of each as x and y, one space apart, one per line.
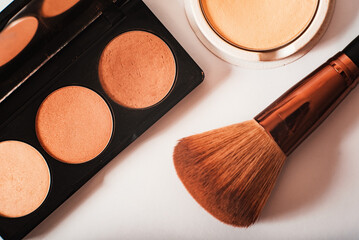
260 59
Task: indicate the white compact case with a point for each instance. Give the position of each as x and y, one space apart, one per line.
280 56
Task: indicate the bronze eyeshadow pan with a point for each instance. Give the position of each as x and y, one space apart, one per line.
74 124
15 37
52 8
24 177
78 94
143 72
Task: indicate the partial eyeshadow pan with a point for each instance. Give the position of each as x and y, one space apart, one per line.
74 124
24 178
52 8
137 69
15 37
259 25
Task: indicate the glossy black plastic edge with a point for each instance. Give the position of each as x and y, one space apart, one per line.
10 11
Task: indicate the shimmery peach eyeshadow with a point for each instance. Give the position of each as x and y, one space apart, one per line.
74 124
259 25
137 69
15 37
24 179
51 8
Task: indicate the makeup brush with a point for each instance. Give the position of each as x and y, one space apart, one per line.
231 171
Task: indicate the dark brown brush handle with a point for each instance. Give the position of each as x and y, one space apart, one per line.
299 111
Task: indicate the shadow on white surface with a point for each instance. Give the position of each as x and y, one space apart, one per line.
346 11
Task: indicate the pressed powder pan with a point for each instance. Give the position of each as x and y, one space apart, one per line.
259 34
63 122
15 37
51 8
259 25
24 178
143 72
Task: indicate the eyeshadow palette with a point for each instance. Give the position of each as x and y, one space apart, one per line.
80 81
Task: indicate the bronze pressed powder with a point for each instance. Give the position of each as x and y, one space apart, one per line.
24 179
74 124
51 8
137 69
259 25
15 37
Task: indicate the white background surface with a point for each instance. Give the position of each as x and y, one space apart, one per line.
138 195
4 3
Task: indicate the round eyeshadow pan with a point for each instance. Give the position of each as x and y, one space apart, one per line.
15 37
24 179
259 25
52 8
74 124
137 69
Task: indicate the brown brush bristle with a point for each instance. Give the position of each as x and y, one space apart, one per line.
230 171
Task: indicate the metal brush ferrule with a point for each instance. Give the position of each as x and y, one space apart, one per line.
299 111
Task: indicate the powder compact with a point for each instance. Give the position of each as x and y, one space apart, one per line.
79 81
257 33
